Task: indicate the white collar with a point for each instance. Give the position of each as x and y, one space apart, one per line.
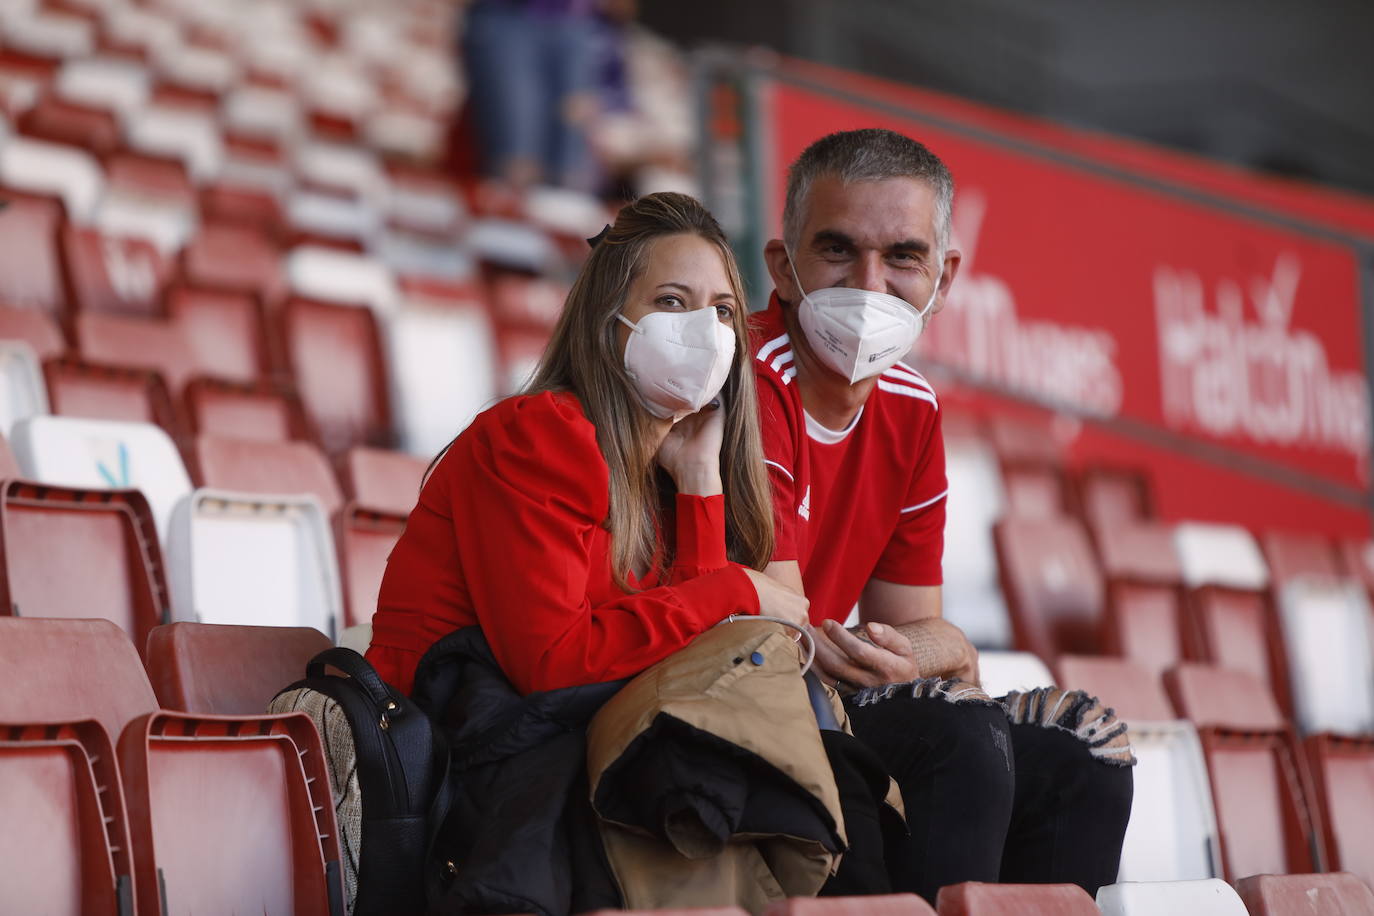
827 436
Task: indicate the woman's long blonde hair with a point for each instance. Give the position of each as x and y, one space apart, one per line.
584 357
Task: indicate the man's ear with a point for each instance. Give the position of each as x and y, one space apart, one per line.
780 271
951 268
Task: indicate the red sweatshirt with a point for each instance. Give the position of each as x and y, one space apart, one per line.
508 534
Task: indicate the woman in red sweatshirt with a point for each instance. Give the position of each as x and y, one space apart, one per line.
598 522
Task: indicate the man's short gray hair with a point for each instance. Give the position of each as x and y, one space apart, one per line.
870 154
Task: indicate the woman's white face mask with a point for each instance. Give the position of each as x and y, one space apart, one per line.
679 360
858 333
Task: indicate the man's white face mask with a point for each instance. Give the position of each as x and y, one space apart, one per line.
858 333
679 360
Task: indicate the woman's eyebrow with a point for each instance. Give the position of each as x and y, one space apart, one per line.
687 289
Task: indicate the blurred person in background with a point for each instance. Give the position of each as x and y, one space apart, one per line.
1034 787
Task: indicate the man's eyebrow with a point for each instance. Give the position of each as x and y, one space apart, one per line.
687 289
917 245
833 237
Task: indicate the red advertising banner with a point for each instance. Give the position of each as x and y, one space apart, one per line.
1088 288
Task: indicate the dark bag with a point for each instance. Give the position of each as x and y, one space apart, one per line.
389 771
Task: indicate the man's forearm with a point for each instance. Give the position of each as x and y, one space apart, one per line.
941 649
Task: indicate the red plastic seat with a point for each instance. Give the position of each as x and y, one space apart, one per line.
61 121
35 327
81 553
520 301
1260 783
1311 895
67 848
258 466
973 898
1235 628
878 905
1357 560
1134 691
382 480
1343 782
114 274
364 540
1112 496
104 392
223 330
144 343
1145 598
30 263
149 177
233 257
1034 491
1052 585
255 208
218 669
254 411
1292 555
335 356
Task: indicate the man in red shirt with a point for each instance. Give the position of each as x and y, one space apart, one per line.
1034 788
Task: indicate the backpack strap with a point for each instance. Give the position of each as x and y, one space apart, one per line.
355 666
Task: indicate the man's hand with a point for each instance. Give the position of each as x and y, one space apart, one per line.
880 656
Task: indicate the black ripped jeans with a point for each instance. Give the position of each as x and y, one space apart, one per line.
985 800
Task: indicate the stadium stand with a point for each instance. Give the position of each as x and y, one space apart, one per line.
1052 584
259 466
1343 778
219 669
254 410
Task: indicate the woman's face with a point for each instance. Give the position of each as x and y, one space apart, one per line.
681 273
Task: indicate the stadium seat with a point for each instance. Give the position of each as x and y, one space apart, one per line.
235 258
340 220
1052 585
238 204
249 558
227 670
513 245
1236 628
60 121
1260 783
381 480
1328 631
1145 599
116 84
1358 561
1111 496
1311 895
189 136
1034 491
1133 690
365 539
260 466
335 356
519 352
9 467
30 263
520 301
102 453
330 275
147 197
66 848
70 552
974 898
103 392
347 167
1224 555
34 327
1002 672
1343 780
223 331
1291 555
144 343
972 597
110 274
64 171
877 905
1204 897
23 390
260 410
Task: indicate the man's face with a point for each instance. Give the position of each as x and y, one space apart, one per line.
874 235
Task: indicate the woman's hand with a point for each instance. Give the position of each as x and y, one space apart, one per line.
777 600
690 453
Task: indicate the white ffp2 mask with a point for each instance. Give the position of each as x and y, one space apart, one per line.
679 360
859 333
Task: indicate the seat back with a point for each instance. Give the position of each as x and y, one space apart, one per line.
96 391
61 121
227 670
42 167
1113 496
46 533
223 331
1034 491
23 391
335 356
1134 691
382 480
1319 895
235 410
1172 834
365 540
65 846
233 815
1235 628
1145 623
233 258
973 898
330 275
33 326
1291 555
247 558
146 343
1204 897
30 265
1052 584
103 453
112 274
1327 637
1224 555
1343 779
1003 672
259 466
972 597
66 670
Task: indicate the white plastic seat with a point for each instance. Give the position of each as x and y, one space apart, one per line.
439 348
565 212
100 454
1172 834
340 276
1003 672
335 84
972 595
22 391
1220 555
253 559
512 244
190 136
264 112
111 83
331 216
418 256
358 638
50 35
53 168
168 225
405 133
425 206
1326 628
138 27
198 68
1209 897
340 166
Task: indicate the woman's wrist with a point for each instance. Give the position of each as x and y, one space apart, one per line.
699 480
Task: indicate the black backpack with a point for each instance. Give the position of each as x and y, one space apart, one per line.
389 772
